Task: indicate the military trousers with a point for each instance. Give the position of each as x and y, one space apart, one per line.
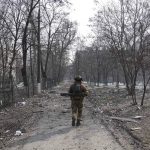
77 106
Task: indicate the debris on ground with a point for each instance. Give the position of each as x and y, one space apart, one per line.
18 133
116 103
137 128
124 119
106 103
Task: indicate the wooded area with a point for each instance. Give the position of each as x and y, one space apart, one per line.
35 40
121 47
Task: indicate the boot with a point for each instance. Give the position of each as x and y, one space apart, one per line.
73 121
78 122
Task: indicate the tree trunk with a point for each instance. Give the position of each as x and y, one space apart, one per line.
143 96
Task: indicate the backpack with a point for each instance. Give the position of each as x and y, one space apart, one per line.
77 90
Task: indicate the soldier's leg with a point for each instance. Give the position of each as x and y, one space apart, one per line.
74 112
80 107
79 115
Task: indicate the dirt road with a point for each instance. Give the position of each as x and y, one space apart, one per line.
53 131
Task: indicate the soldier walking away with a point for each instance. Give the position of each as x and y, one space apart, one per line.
78 92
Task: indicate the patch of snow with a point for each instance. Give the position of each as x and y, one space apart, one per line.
18 133
110 85
21 103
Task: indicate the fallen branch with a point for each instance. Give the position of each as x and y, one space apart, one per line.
138 117
137 128
38 111
124 119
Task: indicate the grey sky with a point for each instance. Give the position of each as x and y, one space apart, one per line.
81 11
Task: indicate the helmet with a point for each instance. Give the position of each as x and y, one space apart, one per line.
78 78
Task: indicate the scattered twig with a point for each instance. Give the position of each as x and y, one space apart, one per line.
38 111
3 113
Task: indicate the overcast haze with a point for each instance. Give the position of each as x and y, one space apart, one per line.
81 11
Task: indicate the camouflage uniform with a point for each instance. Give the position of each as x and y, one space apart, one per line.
77 103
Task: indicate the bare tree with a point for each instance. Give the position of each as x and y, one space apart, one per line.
53 18
30 7
124 28
64 39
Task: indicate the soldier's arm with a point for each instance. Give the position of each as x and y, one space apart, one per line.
85 90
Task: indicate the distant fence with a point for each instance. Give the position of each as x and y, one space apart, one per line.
50 83
6 93
11 92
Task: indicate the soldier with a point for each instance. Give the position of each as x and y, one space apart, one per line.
78 91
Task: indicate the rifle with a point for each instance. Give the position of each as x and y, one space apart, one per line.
73 94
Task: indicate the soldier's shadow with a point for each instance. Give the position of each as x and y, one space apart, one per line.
41 136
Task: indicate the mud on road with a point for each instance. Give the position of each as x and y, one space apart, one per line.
53 130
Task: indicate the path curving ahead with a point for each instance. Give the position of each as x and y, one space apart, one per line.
54 131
